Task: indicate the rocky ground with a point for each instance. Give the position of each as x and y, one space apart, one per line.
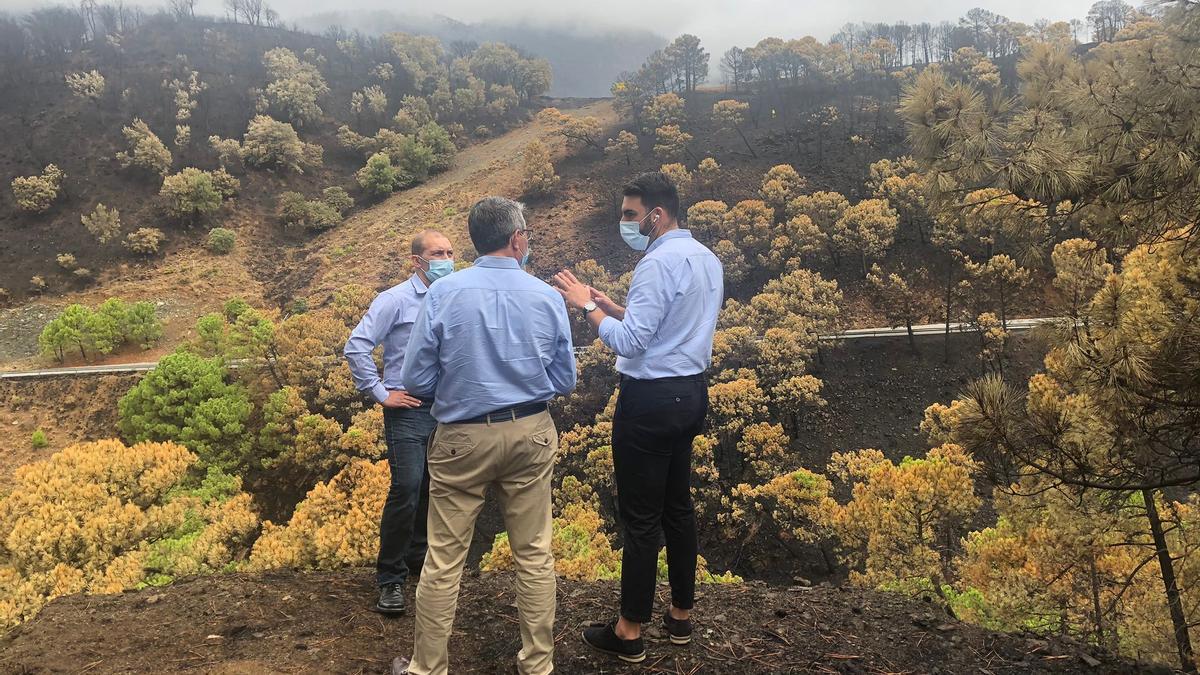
320 622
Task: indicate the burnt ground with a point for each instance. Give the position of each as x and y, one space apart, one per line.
319 622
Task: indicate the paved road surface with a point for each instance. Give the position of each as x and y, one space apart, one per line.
854 334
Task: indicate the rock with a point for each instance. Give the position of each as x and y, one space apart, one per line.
1091 661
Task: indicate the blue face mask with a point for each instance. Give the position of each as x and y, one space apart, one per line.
438 269
631 232
525 258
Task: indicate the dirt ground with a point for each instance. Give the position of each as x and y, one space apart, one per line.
320 622
67 410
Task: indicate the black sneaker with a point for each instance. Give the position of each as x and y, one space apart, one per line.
604 638
391 599
680 630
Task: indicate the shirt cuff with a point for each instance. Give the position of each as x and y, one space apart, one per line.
380 392
607 325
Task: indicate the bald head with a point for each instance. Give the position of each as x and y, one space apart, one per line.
428 240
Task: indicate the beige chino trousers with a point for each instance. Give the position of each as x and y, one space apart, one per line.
516 458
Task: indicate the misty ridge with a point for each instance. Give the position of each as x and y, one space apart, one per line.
585 61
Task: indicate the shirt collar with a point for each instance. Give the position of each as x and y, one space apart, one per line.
418 285
498 261
679 233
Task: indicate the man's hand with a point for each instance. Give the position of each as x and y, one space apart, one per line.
607 305
401 399
575 293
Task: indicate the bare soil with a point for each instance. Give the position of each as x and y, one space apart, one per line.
320 622
67 410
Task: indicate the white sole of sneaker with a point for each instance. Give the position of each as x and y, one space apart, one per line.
681 640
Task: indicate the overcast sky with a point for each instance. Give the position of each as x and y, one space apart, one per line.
719 23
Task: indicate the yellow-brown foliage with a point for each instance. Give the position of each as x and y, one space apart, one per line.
337 524
103 517
903 521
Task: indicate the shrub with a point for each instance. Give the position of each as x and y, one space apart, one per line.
337 524
220 240
89 85
66 261
295 85
145 240
379 177
193 193
38 439
296 211
187 399
270 142
437 139
37 193
104 223
146 151
680 177
103 517
229 150
337 198
538 177
625 145
108 327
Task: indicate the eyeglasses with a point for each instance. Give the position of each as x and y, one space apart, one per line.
528 232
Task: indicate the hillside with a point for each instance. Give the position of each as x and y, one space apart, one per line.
273 270
319 622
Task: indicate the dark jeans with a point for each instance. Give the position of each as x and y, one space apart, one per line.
653 428
402 525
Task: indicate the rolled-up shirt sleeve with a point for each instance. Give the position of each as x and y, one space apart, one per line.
366 336
421 363
647 305
561 370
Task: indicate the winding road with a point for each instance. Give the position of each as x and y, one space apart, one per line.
853 334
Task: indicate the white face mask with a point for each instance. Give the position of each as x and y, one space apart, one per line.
631 232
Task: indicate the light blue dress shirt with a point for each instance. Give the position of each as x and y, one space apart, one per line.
487 338
671 311
389 322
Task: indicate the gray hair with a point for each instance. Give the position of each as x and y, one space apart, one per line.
492 222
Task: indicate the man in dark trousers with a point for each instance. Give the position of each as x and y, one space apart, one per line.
407 421
663 340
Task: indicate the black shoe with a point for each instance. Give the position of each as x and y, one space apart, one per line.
604 638
680 630
391 599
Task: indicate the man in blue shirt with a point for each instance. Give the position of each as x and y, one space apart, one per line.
492 345
663 340
406 418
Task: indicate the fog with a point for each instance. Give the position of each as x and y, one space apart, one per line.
719 23
590 43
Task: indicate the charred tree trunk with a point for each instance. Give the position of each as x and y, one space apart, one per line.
1183 641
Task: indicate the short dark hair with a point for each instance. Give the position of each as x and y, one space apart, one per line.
492 221
655 190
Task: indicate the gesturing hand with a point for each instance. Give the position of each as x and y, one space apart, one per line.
401 399
576 293
607 305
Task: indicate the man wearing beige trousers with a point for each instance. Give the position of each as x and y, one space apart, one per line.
492 345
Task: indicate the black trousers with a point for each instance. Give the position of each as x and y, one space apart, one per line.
402 538
653 428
